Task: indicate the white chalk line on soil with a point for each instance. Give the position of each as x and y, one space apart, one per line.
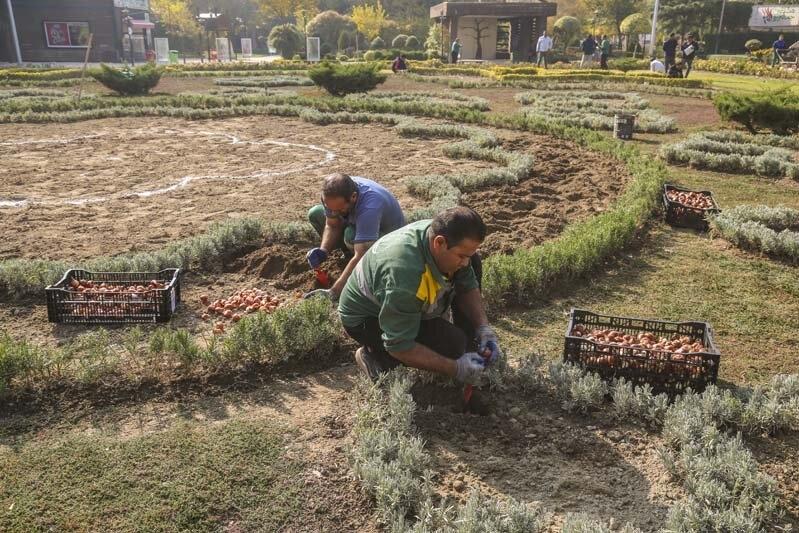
185 181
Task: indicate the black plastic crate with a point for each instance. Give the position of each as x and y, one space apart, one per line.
67 306
684 216
665 371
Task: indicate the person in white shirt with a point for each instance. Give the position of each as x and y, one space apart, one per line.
657 66
542 48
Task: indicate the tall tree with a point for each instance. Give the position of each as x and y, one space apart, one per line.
285 9
175 17
612 12
369 19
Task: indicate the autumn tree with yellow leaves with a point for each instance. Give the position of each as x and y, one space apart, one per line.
369 19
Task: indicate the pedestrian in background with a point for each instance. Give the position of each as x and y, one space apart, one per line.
689 49
604 52
542 48
670 51
779 48
588 47
456 50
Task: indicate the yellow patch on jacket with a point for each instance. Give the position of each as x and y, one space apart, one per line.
428 287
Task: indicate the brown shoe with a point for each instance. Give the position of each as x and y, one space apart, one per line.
370 367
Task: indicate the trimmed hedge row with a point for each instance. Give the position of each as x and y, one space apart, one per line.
764 155
770 230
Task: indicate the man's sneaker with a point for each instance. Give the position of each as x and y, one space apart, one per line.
368 364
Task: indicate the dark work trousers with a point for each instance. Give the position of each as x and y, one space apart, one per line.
670 60
603 61
448 339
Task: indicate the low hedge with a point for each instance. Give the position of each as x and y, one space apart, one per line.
744 66
36 74
770 230
238 66
765 155
583 246
776 110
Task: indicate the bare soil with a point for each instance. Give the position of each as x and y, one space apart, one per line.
141 156
528 448
567 185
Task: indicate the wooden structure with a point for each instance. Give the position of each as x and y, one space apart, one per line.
57 30
485 28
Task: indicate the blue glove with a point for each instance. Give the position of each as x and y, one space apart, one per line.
487 342
316 257
469 367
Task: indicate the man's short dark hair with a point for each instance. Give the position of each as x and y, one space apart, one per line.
339 186
671 34
458 223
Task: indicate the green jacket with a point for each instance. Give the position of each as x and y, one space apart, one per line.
398 283
605 46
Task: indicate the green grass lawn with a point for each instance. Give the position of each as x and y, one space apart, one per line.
190 478
752 303
739 83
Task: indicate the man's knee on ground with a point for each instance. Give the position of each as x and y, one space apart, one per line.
316 216
349 236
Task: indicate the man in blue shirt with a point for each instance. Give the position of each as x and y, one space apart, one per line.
588 47
354 213
779 47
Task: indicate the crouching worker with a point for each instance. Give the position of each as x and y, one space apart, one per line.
354 213
397 302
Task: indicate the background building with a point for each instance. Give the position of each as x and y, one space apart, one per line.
58 30
495 30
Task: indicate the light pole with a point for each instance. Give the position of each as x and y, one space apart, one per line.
721 22
654 29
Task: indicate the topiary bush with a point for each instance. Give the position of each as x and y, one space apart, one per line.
286 39
753 45
412 43
340 80
400 41
328 25
777 110
377 44
129 81
345 39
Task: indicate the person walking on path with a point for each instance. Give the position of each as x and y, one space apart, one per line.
604 48
689 49
542 48
779 48
456 50
588 47
670 51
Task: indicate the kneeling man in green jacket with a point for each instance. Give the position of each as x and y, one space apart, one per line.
414 299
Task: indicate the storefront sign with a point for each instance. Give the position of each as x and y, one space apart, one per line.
67 34
774 17
144 5
246 47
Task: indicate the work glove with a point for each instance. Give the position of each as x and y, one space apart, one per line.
469 367
324 293
487 343
316 257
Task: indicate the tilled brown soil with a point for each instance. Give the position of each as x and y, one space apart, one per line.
568 184
528 448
